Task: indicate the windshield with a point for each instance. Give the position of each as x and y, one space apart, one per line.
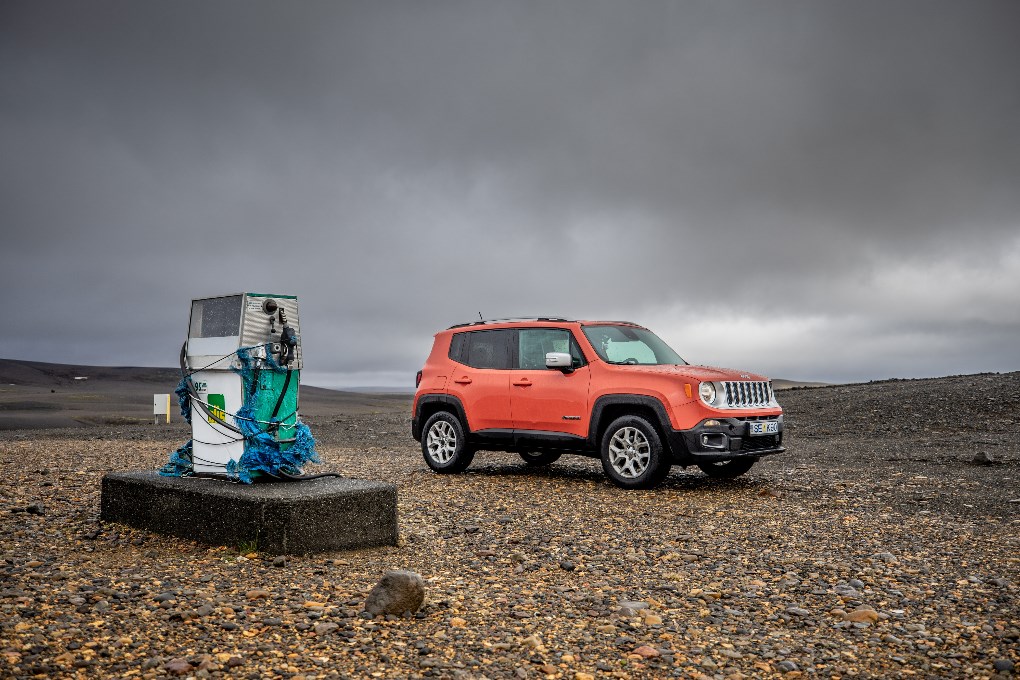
629 345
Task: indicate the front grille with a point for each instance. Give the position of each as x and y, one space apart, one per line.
760 443
747 394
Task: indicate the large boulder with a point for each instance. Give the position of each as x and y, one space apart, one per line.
397 592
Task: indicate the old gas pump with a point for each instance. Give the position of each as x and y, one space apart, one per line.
240 372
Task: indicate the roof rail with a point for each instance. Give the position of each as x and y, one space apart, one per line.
511 319
628 323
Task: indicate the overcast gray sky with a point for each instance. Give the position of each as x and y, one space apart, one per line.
811 189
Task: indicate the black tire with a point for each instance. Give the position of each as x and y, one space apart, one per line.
537 458
632 454
727 469
443 444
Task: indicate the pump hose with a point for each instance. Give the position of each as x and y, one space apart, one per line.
283 393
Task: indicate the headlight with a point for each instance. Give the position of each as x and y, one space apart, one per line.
707 392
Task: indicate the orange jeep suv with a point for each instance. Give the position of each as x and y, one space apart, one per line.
545 386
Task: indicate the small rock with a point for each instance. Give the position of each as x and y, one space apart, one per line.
234 662
325 628
258 594
36 508
397 592
567 565
280 561
887 557
633 604
982 458
797 611
457 622
1003 665
786 667
647 652
862 615
177 666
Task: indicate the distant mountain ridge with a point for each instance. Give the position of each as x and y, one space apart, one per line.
40 373
36 394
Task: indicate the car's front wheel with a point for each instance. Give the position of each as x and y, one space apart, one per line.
727 469
633 455
444 445
537 458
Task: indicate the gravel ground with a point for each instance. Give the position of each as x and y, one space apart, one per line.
873 548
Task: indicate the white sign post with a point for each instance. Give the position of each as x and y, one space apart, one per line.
160 406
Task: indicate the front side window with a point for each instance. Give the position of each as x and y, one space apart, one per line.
629 345
482 349
534 343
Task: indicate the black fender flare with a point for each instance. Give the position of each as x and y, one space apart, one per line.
644 401
428 403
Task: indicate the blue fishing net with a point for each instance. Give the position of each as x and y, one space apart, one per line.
181 462
183 399
263 452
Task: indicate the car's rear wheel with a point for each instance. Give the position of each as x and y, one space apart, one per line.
537 458
444 445
633 455
727 469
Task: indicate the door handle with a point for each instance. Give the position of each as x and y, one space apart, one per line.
462 381
524 382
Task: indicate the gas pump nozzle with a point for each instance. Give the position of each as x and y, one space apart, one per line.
288 340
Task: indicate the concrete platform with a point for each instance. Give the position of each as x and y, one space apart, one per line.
295 518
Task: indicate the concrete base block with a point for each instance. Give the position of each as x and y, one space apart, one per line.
295 518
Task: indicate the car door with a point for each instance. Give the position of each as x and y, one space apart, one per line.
546 400
480 379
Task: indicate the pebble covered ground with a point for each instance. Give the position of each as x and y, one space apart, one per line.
875 547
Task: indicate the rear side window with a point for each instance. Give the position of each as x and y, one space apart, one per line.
482 349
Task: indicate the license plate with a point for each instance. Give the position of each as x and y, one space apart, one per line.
760 427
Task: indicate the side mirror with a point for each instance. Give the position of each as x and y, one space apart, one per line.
560 361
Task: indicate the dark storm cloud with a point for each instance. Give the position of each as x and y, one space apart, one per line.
807 172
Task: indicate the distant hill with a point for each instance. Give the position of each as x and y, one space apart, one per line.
35 394
780 384
41 374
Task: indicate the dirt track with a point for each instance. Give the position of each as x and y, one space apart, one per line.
876 507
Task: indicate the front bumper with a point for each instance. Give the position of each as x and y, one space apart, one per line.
725 441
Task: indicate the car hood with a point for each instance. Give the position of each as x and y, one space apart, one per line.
699 373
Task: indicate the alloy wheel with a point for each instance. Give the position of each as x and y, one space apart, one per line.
629 452
442 442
